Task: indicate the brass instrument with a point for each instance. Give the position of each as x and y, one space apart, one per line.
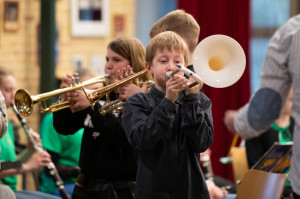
219 61
24 101
117 105
94 95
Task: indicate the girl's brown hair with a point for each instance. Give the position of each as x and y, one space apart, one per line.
133 50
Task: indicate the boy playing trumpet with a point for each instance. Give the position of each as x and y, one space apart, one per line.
169 126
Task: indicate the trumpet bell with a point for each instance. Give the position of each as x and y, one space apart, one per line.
23 102
219 61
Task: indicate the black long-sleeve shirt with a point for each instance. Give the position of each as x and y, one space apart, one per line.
105 151
168 138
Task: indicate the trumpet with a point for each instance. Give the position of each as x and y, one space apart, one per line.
118 104
24 101
219 61
94 95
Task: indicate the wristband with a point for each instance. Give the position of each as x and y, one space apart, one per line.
10 165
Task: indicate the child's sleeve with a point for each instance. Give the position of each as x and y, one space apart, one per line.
197 122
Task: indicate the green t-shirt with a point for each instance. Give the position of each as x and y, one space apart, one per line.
8 153
284 135
67 146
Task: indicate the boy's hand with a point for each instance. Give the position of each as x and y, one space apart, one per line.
215 192
195 89
174 85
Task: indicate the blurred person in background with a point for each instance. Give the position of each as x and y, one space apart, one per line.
30 159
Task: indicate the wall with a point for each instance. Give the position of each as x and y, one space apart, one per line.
19 48
84 48
148 12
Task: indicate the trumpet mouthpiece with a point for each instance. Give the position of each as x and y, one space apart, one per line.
170 74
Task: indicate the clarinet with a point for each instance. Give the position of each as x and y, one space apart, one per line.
53 171
208 171
206 163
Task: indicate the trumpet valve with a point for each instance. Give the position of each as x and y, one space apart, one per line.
121 76
77 80
125 74
131 71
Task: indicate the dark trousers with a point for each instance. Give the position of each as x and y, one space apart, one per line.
296 196
104 189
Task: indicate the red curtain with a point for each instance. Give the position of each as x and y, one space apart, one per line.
231 18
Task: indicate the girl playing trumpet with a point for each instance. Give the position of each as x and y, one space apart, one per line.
107 162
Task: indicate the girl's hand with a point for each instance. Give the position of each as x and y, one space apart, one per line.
67 81
79 100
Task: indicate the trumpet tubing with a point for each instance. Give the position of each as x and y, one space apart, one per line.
94 95
59 105
118 105
115 105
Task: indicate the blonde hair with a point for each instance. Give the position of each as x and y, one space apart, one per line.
166 41
5 72
181 23
133 50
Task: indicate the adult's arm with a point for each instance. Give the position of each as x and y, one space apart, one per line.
265 105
